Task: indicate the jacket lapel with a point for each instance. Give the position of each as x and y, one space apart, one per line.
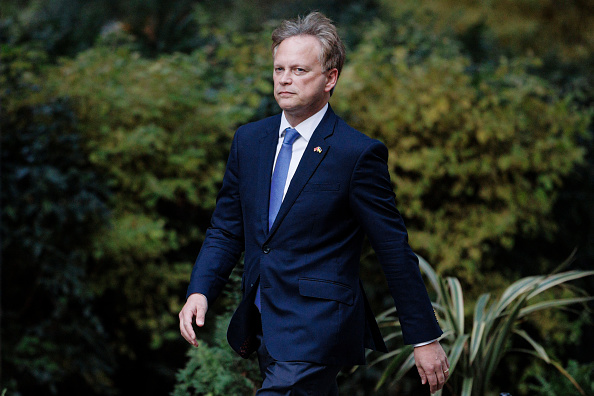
307 166
267 152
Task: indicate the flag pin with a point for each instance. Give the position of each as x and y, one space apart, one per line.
318 149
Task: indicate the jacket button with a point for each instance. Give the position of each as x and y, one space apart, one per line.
265 249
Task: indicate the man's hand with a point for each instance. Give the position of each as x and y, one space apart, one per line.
432 364
196 305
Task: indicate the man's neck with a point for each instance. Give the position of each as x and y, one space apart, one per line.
307 126
296 119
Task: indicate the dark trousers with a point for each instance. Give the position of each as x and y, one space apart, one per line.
295 378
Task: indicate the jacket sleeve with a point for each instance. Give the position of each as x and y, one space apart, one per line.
224 241
372 200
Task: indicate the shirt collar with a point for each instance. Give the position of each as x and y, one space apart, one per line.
305 128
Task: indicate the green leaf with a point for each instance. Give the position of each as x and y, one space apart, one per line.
478 326
457 304
539 349
431 275
467 386
497 347
396 365
552 304
557 279
456 351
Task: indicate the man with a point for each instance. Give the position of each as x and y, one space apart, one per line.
300 191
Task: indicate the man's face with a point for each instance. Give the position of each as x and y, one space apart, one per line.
301 87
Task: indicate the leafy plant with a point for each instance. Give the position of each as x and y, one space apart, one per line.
520 25
554 385
475 353
159 130
53 205
216 369
208 370
478 152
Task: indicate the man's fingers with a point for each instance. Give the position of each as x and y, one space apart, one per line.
432 379
200 306
422 375
432 365
188 333
200 314
440 380
185 327
196 305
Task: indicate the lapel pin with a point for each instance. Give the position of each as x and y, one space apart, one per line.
318 149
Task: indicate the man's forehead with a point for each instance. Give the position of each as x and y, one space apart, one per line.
298 46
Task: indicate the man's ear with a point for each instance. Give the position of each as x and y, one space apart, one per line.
331 80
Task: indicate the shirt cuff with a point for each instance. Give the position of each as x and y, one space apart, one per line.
420 344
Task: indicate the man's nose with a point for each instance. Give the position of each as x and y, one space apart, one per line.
285 77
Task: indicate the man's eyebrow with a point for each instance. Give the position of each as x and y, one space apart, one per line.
299 66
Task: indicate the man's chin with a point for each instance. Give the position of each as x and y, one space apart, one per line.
284 97
285 104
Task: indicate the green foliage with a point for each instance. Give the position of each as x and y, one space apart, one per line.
216 369
548 383
518 25
477 153
160 130
475 353
207 371
480 150
61 27
53 204
67 27
19 74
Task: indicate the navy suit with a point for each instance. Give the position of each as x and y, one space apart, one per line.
313 306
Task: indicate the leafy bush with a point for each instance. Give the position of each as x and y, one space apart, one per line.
216 369
53 204
549 383
159 130
475 352
517 25
478 153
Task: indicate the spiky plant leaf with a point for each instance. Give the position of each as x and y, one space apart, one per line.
400 360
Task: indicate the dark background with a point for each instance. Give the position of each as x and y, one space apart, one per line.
116 119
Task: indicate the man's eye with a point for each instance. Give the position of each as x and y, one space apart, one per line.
278 69
299 70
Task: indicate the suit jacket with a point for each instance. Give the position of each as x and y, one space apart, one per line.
313 306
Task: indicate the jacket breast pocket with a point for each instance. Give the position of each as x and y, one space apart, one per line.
327 290
321 187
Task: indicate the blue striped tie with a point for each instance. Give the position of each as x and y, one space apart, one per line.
279 179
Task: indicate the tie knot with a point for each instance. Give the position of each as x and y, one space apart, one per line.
291 135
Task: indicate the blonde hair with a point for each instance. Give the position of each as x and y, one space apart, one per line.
319 26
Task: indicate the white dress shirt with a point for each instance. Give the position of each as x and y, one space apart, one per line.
305 129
